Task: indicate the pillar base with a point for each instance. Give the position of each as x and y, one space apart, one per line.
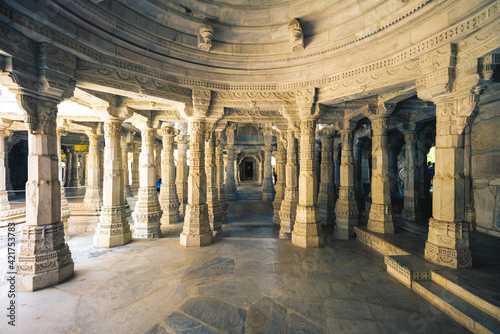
196 231
84 217
343 233
287 218
380 219
442 235
170 216
347 215
113 228
45 259
307 231
128 191
147 215
195 240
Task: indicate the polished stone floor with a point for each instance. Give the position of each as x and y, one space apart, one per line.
247 281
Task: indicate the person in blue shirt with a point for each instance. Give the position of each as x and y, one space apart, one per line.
158 185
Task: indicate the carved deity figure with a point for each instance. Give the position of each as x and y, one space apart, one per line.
205 35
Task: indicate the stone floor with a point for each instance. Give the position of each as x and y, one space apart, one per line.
247 281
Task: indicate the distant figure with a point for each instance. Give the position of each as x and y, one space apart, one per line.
158 185
431 171
275 177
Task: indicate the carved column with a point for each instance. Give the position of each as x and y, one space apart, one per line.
288 209
214 209
147 212
44 257
73 180
448 239
113 228
380 217
136 150
219 162
158 149
411 208
307 230
4 195
169 201
196 231
182 167
326 196
281 178
267 181
470 214
93 194
346 208
65 211
127 138
231 156
81 169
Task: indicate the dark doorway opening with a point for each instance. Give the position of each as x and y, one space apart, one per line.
248 169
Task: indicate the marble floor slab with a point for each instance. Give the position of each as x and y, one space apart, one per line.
247 281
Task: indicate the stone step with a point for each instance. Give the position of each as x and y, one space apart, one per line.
458 301
473 318
467 292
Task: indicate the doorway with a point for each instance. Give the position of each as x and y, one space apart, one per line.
248 170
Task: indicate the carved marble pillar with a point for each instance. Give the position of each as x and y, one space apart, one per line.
82 169
231 156
281 178
336 166
470 214
135 166
4 196
380 217
346 208
326 196
267 181
196 231
73 180
93 193
219 162
147 212
44 257
69 164
411 208
213 204
169 202
127 137
448 239
307 232
288 209
158 149
65 211
113 228
182 167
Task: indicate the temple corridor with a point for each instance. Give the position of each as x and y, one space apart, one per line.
247 281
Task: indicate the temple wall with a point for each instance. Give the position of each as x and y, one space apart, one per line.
485 138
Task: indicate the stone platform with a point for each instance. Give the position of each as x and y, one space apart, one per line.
247 281
471 296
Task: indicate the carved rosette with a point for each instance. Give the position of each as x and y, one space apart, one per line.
280 184
307 231
346 207
196 231
288 208
147 212
168 199
326 195
214 208
380 217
